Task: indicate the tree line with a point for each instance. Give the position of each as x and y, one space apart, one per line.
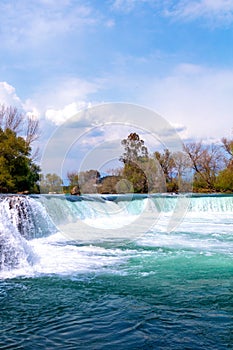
199 167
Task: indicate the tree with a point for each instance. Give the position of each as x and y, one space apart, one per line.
11 118
73 187
110 184
154 176
206 162
167 164
136 176
135 158
182 164
86 180
135 149
73 178
172 166
18 173
50 183
228 145
6 180
22 124
224 180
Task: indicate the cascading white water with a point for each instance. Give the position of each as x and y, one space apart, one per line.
27 221
22 219
13 246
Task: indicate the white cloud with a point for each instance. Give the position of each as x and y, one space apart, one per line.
56 102
9 98
216 11
61 115
63 98
37 22
30 109
8 95
67 90
197 97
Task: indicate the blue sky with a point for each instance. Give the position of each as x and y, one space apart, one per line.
174 57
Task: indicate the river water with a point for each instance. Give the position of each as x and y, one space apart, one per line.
119 272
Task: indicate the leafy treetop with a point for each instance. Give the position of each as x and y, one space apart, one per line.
135 149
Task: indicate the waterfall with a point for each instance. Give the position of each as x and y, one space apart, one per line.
22 219
26 218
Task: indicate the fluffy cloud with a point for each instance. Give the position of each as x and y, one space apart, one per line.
56 105
197 97
8 95
61 115
63 98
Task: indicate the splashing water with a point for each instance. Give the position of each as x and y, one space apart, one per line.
94 272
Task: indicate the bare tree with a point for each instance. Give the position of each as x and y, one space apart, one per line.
11 118
32 130
206 161
114 171
21 123
73 178
182 163
167 163
228 145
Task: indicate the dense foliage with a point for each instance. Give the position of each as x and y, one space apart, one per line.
18 173
135 158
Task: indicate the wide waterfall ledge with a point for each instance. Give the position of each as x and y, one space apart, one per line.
92 218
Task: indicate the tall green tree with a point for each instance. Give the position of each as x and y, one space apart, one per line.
18 172
135 157
135 149
224 180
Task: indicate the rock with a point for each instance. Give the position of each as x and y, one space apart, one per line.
75 191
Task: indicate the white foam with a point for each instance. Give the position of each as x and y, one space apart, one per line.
56 255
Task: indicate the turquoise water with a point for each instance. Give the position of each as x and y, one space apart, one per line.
155 289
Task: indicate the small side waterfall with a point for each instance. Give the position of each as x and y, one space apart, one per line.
13 245
22 219
18 212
